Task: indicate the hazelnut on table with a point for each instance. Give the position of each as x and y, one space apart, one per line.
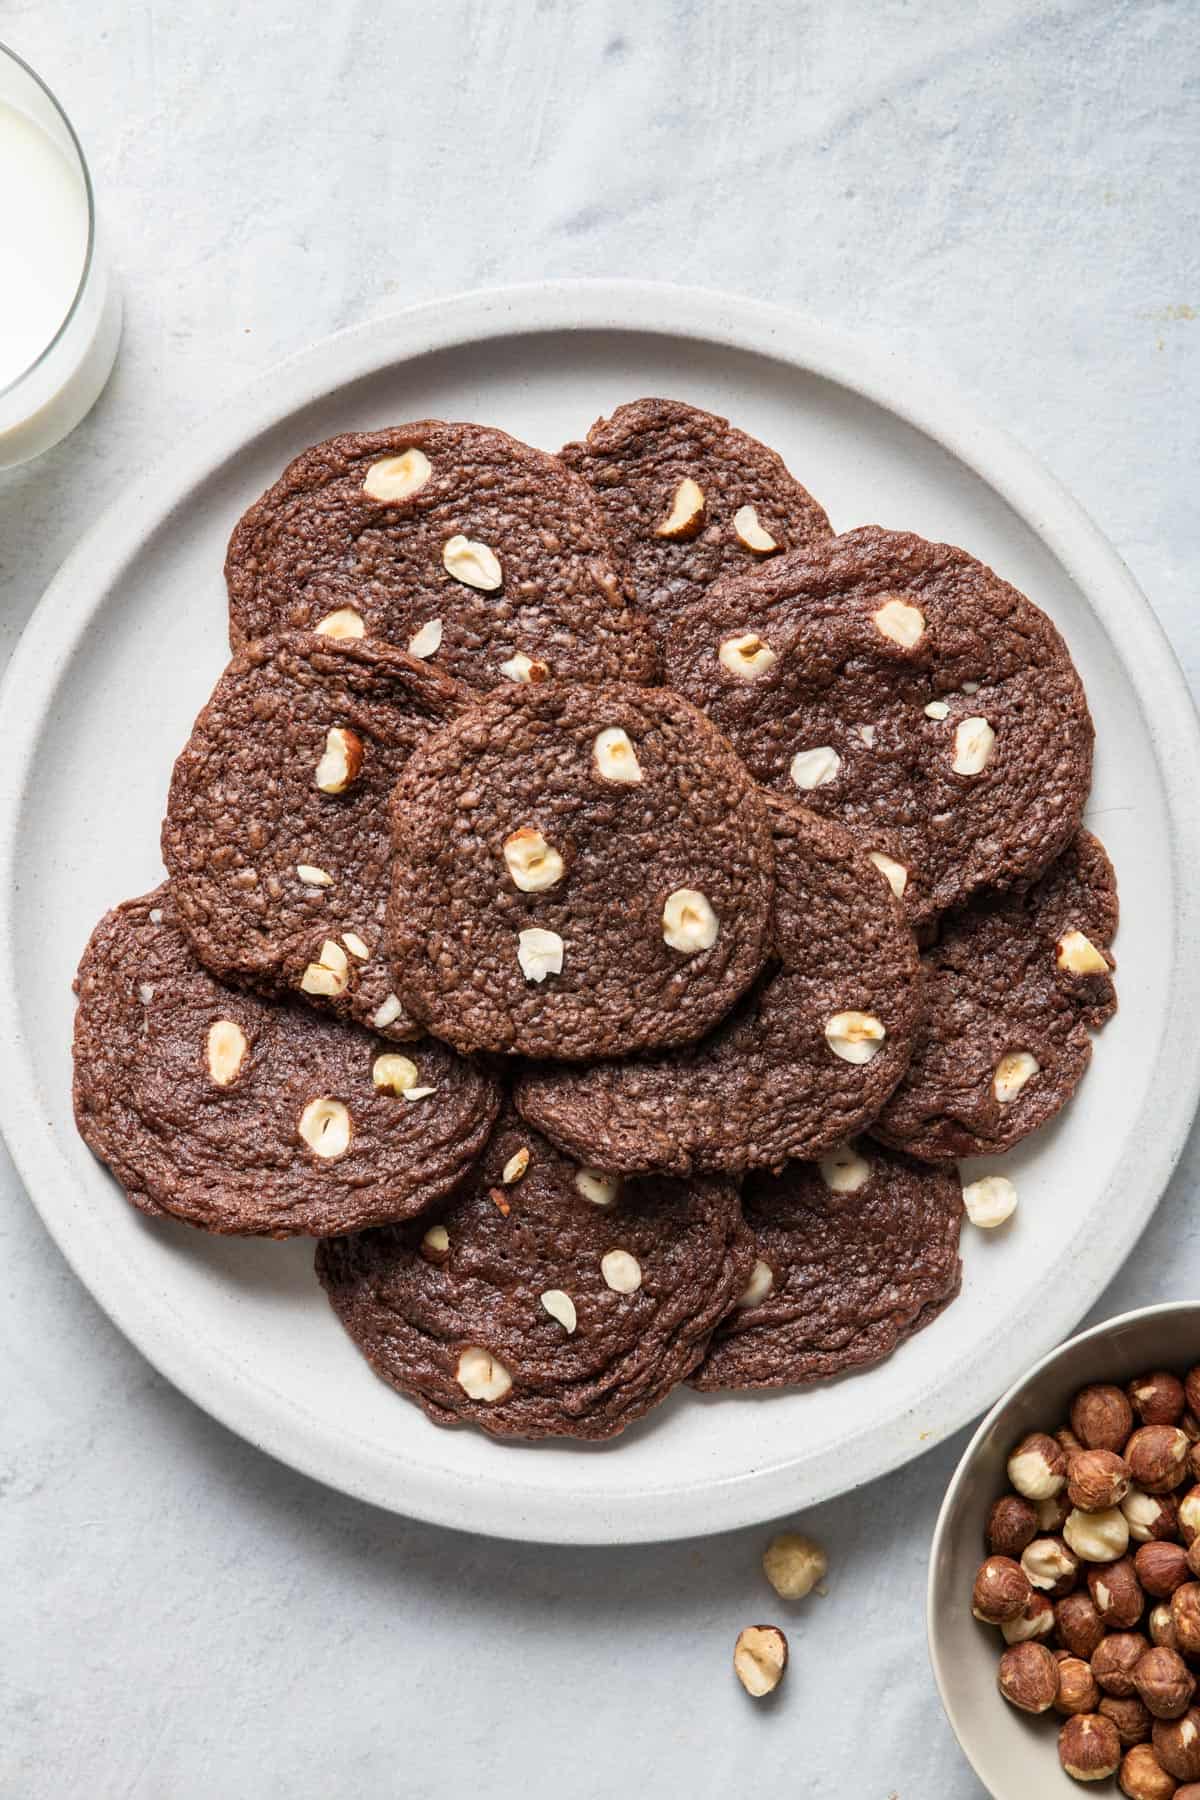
794 1565
1089 1748
759 1659
1143 1777
1028 1677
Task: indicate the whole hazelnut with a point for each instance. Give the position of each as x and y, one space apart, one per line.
1028 1677
1077 1688
1191 1389
1035 1621
1049 1565
1157 1399
1158 1458
1011 1524
1080 1627
1101 1417
1037 1467
1052 1514
1088 1747
1161 1568
1161 1626
1164 1681
1116 1659
1117 1593
1098 1536
1143 1777
1189 1514
1150 1516
794 1564
1131 1718
1177 1745
1097 1479
1192 1557
1185 1616
1001 1590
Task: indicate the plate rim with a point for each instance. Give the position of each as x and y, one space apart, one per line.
727 321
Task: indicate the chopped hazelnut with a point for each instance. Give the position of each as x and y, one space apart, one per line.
1161 1568
1101 1417
1097 1479
1049 1565
1164 1682
1077 1688
1177 1745
760 1658
1037 1467
1028 1677
1080 1627
1158 1399
1115 1660
1001 1590
794 1565
1088 1747
1130 1716
1011 1525
1143 1777
1158 1458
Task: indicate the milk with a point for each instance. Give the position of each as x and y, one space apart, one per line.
43 240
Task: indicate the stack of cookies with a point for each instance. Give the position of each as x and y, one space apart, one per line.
601 905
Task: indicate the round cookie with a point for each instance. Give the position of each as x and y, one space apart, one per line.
578 872
239 1115
276 835
903 689
1011 988
774 1081
538 1301
488 553
687 498
859 1251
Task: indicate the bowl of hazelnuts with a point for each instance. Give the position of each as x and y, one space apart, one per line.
1064 1581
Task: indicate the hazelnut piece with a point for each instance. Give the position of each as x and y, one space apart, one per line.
1049 1565
893 872
426 640
900 621
1161 1568
974 740
1012 1072
1101 1417
815 768
844 1171
524 668
1097 1479
1077 1688
990 1201
1037 1467
1143 1777
746 656
1011 1525
794 1565
1001 1590
324 1125
759 1658
1089 1748
1117 1593
1185 1617
1115 1660
394 1074
344 623
539 952
1150 1516
597 1187
475 565
481 1375
689 923
341 763
1164 1682
435 1245
762 1280
1036 1621
397 477
750 533
1158 1458
1028 1677
1080 1627
1130 1716
1158 1399
532 863
622 1271
1161 1626
1177 1745
855 1036
615 757
560 1306
687 512
225 1051
1098 1536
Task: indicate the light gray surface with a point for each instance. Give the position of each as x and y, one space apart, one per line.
1011 198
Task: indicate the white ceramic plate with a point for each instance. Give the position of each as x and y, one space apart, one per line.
123 651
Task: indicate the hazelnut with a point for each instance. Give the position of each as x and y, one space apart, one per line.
900 621
814 768
1097 1536
974 740
1188 1515
1101 1417
855 1036
689 923
394 1074
1075 954
481 1375
990 1201
1117 1593
1049 1565
762 1280
1158 1399
1130 1716
1012 1072
1001 1590
1164 1682
325 1127
397 477
1028 1677
341 761
1097 1479
1143 1777
1150 1516
1191 1389
225 1052
1052 1514
435 1245
622 1271
1115 1660
1158 1458
794 1565
475 565
751 533
1089 1748
1185 1617
759 1658
1080 1627
746 656
1161 1568
615 758
313 876
844 1171
1011 1525
597 1187
893 872
1193 1460
1190 1426
1036 1621
686 514
344 623
426 640
539 952
1077 1688
1177 1745
1161 1626
1037 1467
1067 1440
329 975
533 863
561 1307
524 668
1189 1791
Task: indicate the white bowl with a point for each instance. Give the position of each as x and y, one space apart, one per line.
1014 1755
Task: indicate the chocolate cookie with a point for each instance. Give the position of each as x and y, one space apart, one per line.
276 836
453 541
808 1059
579 872
541 1300
854 1254
687 498
1011 987
904 689
240 1115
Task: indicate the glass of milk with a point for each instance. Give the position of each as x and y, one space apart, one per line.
60 313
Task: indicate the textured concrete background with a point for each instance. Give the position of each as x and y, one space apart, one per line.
1008 192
